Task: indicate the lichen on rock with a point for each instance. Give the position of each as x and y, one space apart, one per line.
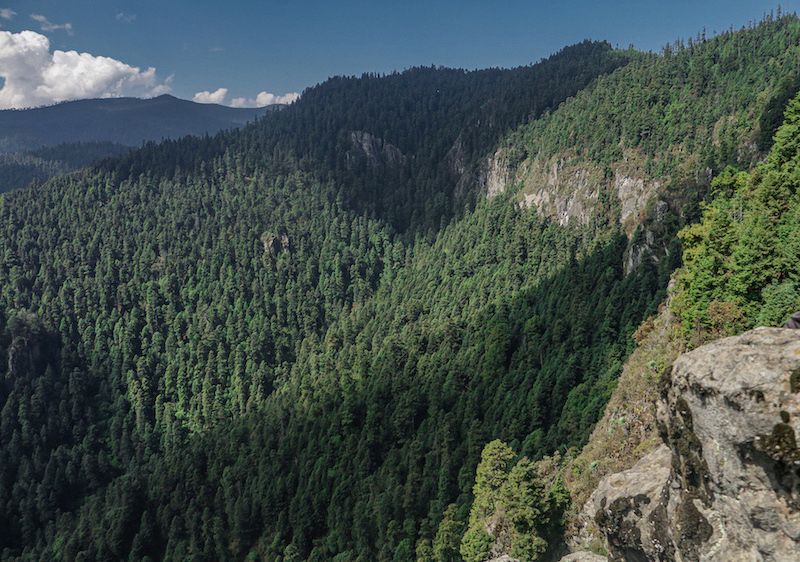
725 485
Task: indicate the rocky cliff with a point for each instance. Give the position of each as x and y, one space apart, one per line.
568 189
374 150
724 484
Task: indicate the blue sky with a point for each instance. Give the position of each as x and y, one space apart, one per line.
252 46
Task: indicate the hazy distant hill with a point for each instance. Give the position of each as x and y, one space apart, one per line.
36 144
18 169
126 121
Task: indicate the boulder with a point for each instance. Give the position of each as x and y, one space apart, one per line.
725 486
628 508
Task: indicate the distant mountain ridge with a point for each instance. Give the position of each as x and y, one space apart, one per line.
126 121
38 143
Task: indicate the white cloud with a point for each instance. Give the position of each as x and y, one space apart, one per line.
217 96
261 100
125 18
265 98
7 13
36 76
47 25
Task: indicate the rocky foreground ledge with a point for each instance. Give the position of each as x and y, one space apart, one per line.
725 483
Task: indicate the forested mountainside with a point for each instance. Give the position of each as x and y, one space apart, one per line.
18 169
631 482
740 261
739 271
39 143
648 139
293 341
404 148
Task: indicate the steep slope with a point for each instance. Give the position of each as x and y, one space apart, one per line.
443 120
199 283
739 271
763 264
282 365
724 484
406 147
741 259
642 144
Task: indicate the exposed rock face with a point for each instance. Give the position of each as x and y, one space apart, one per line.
639 251
564 189
649 245
583 556
726 484
618 512
467 174
633 194
375 150
456 158
570 189
730 415
274 244
495 174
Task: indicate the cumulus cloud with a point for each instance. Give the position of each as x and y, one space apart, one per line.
217 96
7 13
46 25
261 100
125 18
265 98
35 76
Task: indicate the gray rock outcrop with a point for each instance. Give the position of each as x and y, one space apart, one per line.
725 486
623 501
495 174
583 556
376 151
